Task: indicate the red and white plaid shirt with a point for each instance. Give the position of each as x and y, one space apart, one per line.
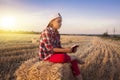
49 39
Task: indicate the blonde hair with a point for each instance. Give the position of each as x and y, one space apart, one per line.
50 23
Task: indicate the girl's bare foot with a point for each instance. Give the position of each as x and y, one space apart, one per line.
79 77
80 61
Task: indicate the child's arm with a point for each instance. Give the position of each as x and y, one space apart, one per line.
73 49
66 50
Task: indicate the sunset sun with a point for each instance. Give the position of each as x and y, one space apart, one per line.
8 22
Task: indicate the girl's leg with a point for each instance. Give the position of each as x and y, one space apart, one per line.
75 58
63 58
75 68
59 58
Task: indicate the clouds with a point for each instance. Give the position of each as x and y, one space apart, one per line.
79 16
90 23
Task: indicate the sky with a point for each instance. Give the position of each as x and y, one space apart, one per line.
79 16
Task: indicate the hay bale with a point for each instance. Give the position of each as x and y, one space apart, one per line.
22 72
44 70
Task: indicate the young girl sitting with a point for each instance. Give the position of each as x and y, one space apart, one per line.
50 47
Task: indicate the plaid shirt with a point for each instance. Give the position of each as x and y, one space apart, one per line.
49 39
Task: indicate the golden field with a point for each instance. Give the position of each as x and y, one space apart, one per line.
101 56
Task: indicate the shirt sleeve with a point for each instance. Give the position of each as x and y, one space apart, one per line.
47 41
59 44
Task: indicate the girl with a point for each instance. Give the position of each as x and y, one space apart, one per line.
50 46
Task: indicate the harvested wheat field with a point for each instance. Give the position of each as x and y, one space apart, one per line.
101 56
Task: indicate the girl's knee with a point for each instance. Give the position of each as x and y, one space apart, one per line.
73 58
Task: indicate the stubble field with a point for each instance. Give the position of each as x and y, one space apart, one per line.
101 56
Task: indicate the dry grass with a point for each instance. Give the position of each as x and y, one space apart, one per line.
102 56
14 50
102 60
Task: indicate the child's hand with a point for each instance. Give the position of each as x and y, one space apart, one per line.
74 48
69 50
